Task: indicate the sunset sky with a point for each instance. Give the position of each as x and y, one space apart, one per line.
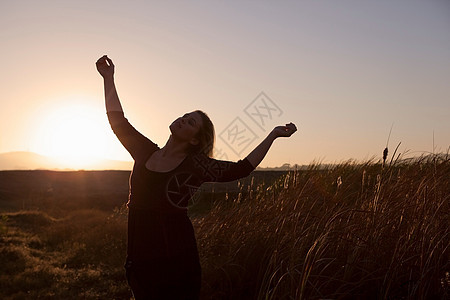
343 71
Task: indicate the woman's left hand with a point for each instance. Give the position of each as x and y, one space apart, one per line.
284 131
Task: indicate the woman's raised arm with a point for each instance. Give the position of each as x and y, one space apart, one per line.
137 144
105 67
256 156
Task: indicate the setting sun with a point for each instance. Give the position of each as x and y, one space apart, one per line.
74 133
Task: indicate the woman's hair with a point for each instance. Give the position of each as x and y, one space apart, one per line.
205 136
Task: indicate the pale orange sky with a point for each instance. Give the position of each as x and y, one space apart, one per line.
343 71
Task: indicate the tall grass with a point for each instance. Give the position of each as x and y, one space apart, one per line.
349 231
79 256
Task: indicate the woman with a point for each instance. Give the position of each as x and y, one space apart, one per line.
162 257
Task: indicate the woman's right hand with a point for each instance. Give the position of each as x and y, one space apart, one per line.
105 67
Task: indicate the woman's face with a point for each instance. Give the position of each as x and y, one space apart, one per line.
187 126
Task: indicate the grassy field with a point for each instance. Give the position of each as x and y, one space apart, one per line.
349 231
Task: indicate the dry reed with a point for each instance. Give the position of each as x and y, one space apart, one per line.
347 231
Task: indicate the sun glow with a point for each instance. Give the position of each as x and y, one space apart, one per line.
76 134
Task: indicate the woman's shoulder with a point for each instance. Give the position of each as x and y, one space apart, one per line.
209 168
202 160
145 152
213 170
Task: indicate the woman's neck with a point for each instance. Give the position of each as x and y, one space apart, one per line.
174 148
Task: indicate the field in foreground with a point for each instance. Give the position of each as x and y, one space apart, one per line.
351 231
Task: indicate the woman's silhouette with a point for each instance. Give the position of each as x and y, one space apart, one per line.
162 257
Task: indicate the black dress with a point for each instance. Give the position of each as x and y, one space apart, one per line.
162 259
